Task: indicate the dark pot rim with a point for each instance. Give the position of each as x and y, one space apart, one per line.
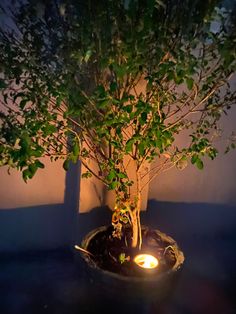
149 277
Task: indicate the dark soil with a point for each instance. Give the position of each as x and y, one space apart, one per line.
106 251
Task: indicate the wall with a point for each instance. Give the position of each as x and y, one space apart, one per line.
43 213
40 214
46 187
216 184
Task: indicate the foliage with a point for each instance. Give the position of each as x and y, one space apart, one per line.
116 82
123 258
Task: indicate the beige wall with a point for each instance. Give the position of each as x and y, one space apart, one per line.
92 194
41 214
215 184
46 187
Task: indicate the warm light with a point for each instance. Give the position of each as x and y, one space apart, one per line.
146 261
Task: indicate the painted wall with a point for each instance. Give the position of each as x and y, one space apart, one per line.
216 184
46 187
41 214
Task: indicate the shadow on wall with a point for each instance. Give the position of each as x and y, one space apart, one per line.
44 226
183 221
59 225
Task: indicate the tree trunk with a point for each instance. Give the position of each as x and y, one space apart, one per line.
135 232
135 219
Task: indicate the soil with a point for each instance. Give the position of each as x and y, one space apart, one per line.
106 251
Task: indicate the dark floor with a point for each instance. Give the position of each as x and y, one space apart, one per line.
56 282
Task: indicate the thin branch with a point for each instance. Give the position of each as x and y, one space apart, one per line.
93 172
193 108
91 102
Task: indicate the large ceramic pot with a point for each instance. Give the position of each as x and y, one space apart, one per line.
149 283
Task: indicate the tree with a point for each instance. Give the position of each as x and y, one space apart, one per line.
116 83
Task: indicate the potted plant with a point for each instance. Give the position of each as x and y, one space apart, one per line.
116 84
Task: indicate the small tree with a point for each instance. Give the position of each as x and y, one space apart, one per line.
116 83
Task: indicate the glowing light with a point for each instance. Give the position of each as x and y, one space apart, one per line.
146 261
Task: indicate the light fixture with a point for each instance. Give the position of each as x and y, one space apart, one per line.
146 261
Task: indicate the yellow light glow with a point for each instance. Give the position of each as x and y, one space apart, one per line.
146 261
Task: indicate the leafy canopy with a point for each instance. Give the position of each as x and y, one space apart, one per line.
114 82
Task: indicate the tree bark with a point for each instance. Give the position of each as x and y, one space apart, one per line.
135 231
135 219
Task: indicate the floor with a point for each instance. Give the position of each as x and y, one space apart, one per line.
56 282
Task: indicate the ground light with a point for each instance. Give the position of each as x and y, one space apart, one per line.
146 261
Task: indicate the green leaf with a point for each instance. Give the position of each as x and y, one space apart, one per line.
120 70
178 80
194 159
87 55
143 118
66 164
103 103
100 89
189 82
24 143
199 164
113 185
122 175
113 87
87 175
112 175
36 152
76 149
74 158
141 148
128 108
32 168
122 258
159 143
26 175
129 145
39 164
23 103
49 129
2 84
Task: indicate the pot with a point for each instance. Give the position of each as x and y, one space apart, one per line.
148 284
